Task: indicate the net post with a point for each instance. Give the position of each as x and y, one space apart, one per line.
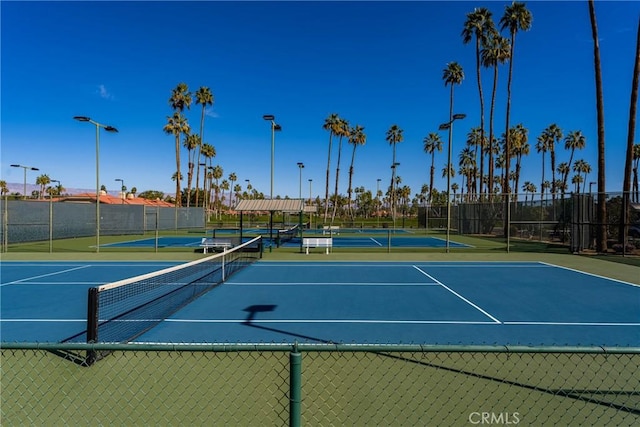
224 255
92 324
295 387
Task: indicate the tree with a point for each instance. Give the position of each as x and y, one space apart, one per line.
393 137
208 152
42 181
3 187
601 213
633 104
552 136
176 126
467 163
520 148
191 142
216 174
224 185
232 178
636 163
452 75
480 25
341 131
330 124
356 137
516 18
474 140
581 166
574 140
179 100
496 52
432 143
204 97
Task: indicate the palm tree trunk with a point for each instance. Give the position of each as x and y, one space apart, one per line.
601 233
353 157
482 151
326 190
178 198
335 202
507 145
628 164
493 102
199 153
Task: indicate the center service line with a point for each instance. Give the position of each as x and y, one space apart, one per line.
457 294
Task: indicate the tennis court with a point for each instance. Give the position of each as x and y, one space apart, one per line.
504 303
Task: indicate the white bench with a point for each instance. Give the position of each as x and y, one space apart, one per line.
208 242
317 242
331 229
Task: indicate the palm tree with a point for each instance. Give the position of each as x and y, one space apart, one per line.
330 124
42 181
563 169
577 180
341 131
636 163
467 163
574 140
474 140
232 178
516 18
3 187
224 185
519 148
601 230
216 174
552 135
191 142
356 137
581 166
208 151
542 146
528 187
432 143
452 75
176 126
204 97
496 52
480 25
393 137
628 164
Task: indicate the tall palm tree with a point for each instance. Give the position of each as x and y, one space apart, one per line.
552 135
232 178
574 140
341 132
480 25
432 143
636 163
628 164
542 146
516 18
467 163
330 124
191 142
452 75
224 185
204 97
474 140
520 148
216 174
577 180
356 137
208 151
176 126
4 189
601 213
495 52
393 137
563 169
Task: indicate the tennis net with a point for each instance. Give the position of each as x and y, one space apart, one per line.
123 310
288 234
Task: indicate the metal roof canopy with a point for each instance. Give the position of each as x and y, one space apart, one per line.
276 205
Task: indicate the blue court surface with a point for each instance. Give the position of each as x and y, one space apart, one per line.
504 303
338 242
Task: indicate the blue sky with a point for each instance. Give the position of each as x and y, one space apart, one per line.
374 63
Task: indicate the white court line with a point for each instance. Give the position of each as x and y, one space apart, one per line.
590 274
45 275
458 295
573 323
375 241
43 320
330 284
64 283
341 321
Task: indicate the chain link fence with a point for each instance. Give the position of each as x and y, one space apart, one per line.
320 385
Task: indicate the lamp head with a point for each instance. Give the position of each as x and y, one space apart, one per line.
269 117
459 116
82 118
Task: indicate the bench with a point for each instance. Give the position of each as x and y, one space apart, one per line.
331 229
317 242
213 243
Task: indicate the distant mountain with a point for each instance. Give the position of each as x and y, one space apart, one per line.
19 188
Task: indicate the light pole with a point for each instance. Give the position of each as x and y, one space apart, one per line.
449 126
591 184
123 195
24 190
300 167
378 200
274 128
393 194
108 129
310 204
51 216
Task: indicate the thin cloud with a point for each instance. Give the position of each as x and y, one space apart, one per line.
210 113
104 93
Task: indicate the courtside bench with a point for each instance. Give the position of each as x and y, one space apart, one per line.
331 229
215 243
317 242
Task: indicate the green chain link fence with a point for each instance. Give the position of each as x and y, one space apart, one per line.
320 385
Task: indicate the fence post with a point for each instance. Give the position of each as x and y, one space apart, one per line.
295 387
